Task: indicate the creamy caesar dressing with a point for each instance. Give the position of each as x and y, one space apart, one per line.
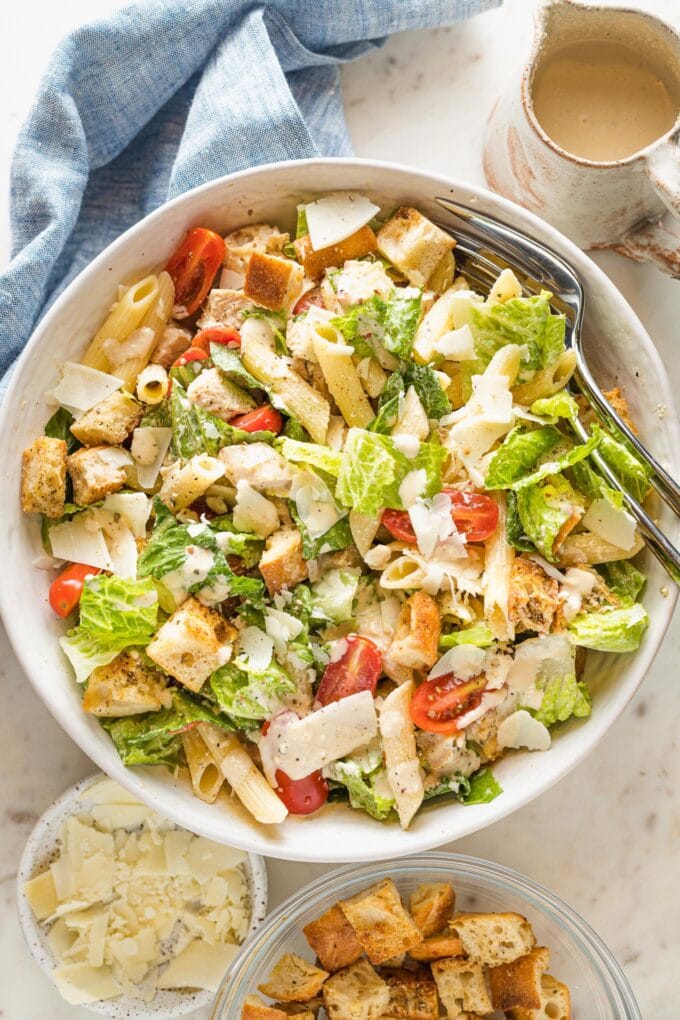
600 100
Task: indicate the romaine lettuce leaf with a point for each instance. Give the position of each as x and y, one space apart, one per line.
362 326
484 787
233 368
631 472
294 430
545 509
424 381
457 784
479 634
563 695
195 431
610 630
519 453
514 529
310 453
59 427
334 594
250 697
623 579
563 460
373 469
559 405
366 782
400 321
527 322
115 613
336 538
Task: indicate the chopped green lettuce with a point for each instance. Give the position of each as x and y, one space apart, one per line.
230 364
400 321
484 787
115 613
478 634
248 697
365 780
362 326
336 538
544 509
610 630
565 459
527 322
301 228
310 453
59 427
195 431
373 469
559 405
334 594
519 453
514 529
457 784
426 384
625 580
631 472
563 695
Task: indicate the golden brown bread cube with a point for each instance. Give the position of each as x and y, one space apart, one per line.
332 938
413 995
125 687
437 947
361 243
282 564
382 925
416 638
356 993
462 986
43 477
519 983
273 282
255 1008
431 906
302 1010
240 244
95 472
189 646
109 422
413 244
493 938
293 979
555 1003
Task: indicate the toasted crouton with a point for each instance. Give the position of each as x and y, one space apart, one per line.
356 993
413 244
333 940
293 980
437 947
109 422
361 243
519 983
282 564
382 925
431 906
175 340
273 282
493 938
416 638
190 645
254 1008
225 307
43 477
125 687
302 1010
555 1003
413 995
218 395
462 986
95 472
259 465
240 244
534 596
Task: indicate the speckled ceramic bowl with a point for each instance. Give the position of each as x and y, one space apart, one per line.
41 848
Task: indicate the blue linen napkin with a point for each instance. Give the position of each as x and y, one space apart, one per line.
166 95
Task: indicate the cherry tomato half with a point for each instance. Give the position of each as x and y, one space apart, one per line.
193 267
66 589
358 669
263 419
312 297
191 354
302 796
474 514
438 704
226 335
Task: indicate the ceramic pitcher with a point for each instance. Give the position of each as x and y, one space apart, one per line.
619 204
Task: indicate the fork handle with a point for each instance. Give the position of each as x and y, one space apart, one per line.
667 487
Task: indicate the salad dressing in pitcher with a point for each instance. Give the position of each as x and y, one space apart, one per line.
601 101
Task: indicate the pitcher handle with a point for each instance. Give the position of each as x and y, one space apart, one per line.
659 241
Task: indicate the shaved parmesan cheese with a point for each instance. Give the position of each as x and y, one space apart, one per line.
412 420
378 556
281 628
432 522
80 540
465 661
521 730
253 512
231 280
78 983
138 345
530 656
198 966
133 507
333 218
81 387
256 649
148 448
456 345
614 525
316 507
122 550
492 394
412 487
299 747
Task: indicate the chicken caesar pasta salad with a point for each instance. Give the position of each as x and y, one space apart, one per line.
323 527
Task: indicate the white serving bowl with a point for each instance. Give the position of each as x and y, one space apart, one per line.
621 353
42 847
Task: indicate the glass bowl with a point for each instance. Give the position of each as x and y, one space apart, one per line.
599 988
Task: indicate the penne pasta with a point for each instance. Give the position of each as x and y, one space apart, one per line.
243 776
125 316
155 321
546 381
182 485
152 384
342 378
206 776
404 774
499 557
586 547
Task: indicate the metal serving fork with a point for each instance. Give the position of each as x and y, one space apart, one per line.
484 247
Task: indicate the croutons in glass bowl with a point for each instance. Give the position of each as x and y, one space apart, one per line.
437 935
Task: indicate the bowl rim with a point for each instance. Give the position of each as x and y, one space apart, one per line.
41 843
474 820
534 893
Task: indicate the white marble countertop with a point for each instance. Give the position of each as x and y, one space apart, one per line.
606 838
